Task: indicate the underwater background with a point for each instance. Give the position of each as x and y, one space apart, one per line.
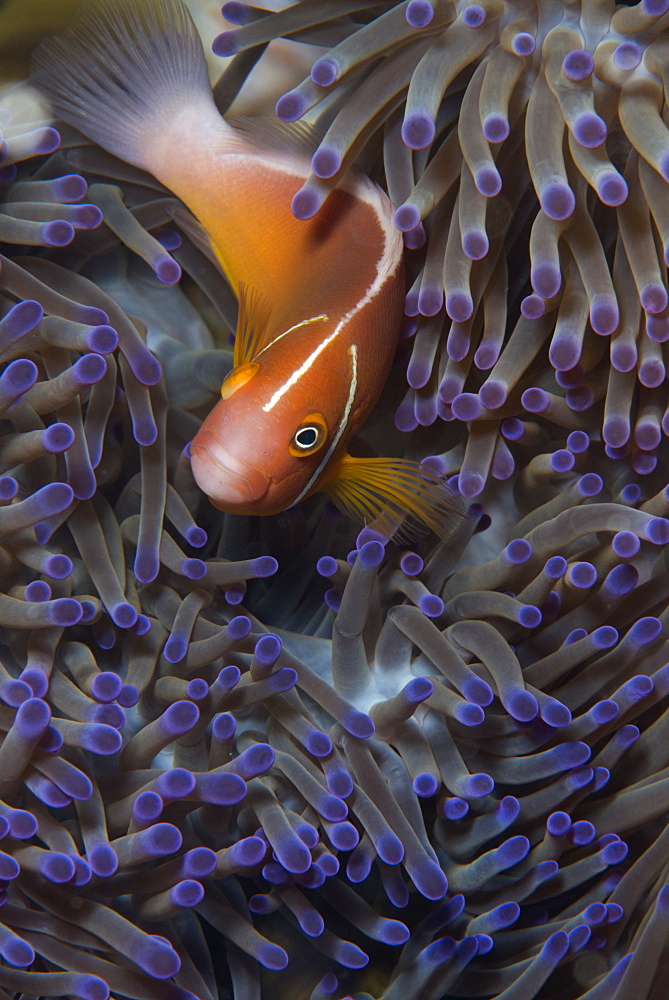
257 757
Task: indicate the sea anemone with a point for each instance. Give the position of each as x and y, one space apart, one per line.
246 756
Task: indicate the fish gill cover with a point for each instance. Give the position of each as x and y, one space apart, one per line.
250 757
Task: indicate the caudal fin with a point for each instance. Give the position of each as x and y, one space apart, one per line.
125 73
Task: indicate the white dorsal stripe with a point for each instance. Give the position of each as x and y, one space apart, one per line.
391 253
382 275
291 329
353 351
360 186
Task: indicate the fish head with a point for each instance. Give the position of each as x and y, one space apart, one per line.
252 457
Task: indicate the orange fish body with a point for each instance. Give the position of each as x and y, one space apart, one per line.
329 335
320 298
320 305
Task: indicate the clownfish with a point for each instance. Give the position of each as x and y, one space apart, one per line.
320 299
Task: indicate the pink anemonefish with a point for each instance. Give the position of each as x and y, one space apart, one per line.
320 299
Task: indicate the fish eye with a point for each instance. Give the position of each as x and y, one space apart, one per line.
309 436
306 437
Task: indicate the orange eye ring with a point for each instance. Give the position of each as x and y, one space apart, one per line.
309 437
237 378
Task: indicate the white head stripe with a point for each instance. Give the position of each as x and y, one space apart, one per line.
299 372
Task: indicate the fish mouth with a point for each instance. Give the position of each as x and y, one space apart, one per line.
227 481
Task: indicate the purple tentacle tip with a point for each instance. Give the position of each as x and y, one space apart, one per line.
265 566
17 952
419 13
558 201
239 627
371 555
655 8
272 956
612 188
493 394
471 484
326 161
453 808
524 43
147 566
488 181
103 860
197 689
628 55
589 130
418 689
64 611
406 218
578 64
431 605
476 786
123 615
477 691
518 551
305 204
57 233
474 15
358 724
529 616
469 715
157 958
467 406
459 305
425 785
522 705
662 903
225 44
495 128
418 130
317 743
645 630
291 106
167 269
58 437
180 718
325 71
32 718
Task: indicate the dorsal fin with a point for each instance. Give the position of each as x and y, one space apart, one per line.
195 232
266 133
252 325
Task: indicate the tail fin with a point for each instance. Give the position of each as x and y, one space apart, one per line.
123 71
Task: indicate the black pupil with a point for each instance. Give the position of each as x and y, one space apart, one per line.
307 437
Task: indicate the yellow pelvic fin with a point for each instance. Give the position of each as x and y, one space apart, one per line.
253 331
396 491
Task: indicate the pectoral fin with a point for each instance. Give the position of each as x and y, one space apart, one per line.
396 493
